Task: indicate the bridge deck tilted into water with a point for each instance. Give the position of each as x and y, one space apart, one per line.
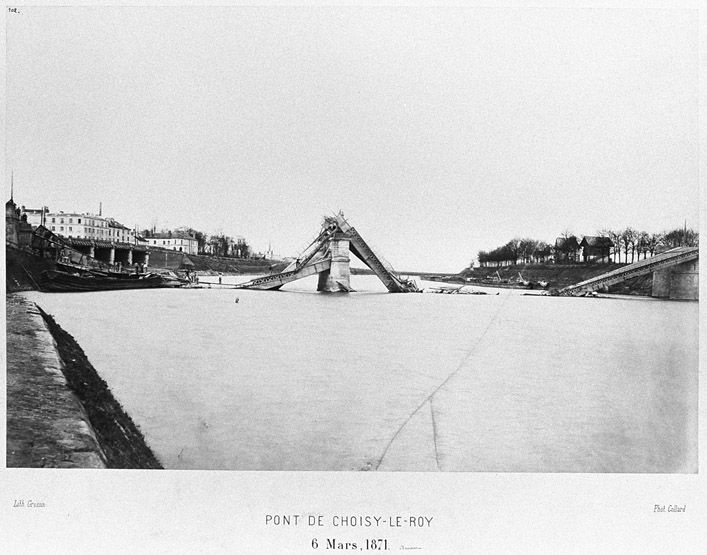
661 261
275 281
376 263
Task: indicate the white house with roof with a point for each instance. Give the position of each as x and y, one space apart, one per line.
176 241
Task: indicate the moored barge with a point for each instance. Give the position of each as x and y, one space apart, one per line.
60 281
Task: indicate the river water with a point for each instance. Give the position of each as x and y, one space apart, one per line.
299 380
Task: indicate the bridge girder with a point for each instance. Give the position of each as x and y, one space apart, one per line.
647 266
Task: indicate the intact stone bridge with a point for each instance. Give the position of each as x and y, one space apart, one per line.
675 275
328 256
80 251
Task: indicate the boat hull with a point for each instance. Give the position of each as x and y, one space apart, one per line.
57 281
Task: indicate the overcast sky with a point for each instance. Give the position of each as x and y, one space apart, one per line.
438 131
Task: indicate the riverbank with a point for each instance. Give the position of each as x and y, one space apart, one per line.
556 275
22 269
205 263
60 413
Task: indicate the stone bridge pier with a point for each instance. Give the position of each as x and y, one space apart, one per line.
338 276
122 256
679 282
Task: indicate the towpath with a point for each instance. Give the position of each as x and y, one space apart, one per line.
46 424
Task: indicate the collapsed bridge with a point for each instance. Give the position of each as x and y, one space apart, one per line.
328 256
675 275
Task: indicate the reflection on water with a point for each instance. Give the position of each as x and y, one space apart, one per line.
298 380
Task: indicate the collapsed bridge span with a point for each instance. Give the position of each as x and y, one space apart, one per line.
328 256
654 265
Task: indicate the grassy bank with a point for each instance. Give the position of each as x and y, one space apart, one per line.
121 440
204 263
559 275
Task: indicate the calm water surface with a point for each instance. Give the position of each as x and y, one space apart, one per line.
298 380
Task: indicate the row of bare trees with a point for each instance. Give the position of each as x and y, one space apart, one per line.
634 242
523 250
629 241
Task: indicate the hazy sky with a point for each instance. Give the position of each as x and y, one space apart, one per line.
438 131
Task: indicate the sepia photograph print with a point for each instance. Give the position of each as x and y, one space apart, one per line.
433 245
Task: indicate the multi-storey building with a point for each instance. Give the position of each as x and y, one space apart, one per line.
119 233
177 241
88 226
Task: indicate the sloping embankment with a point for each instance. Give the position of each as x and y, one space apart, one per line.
46 424
558 275
172 260
60 413
121 440
204 263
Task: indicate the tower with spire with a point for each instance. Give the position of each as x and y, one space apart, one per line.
12 216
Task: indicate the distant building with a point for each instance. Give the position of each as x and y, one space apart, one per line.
88 226
496 263
11 219
566 250
596 249
177 241
542 256
18 233
140 240
119 233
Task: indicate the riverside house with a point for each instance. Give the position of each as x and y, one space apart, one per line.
596 249
176 241
566 250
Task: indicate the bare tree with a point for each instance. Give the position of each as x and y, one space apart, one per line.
642 241
615 237
527 248
628 240
513 249
654 240
681 237
567 245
